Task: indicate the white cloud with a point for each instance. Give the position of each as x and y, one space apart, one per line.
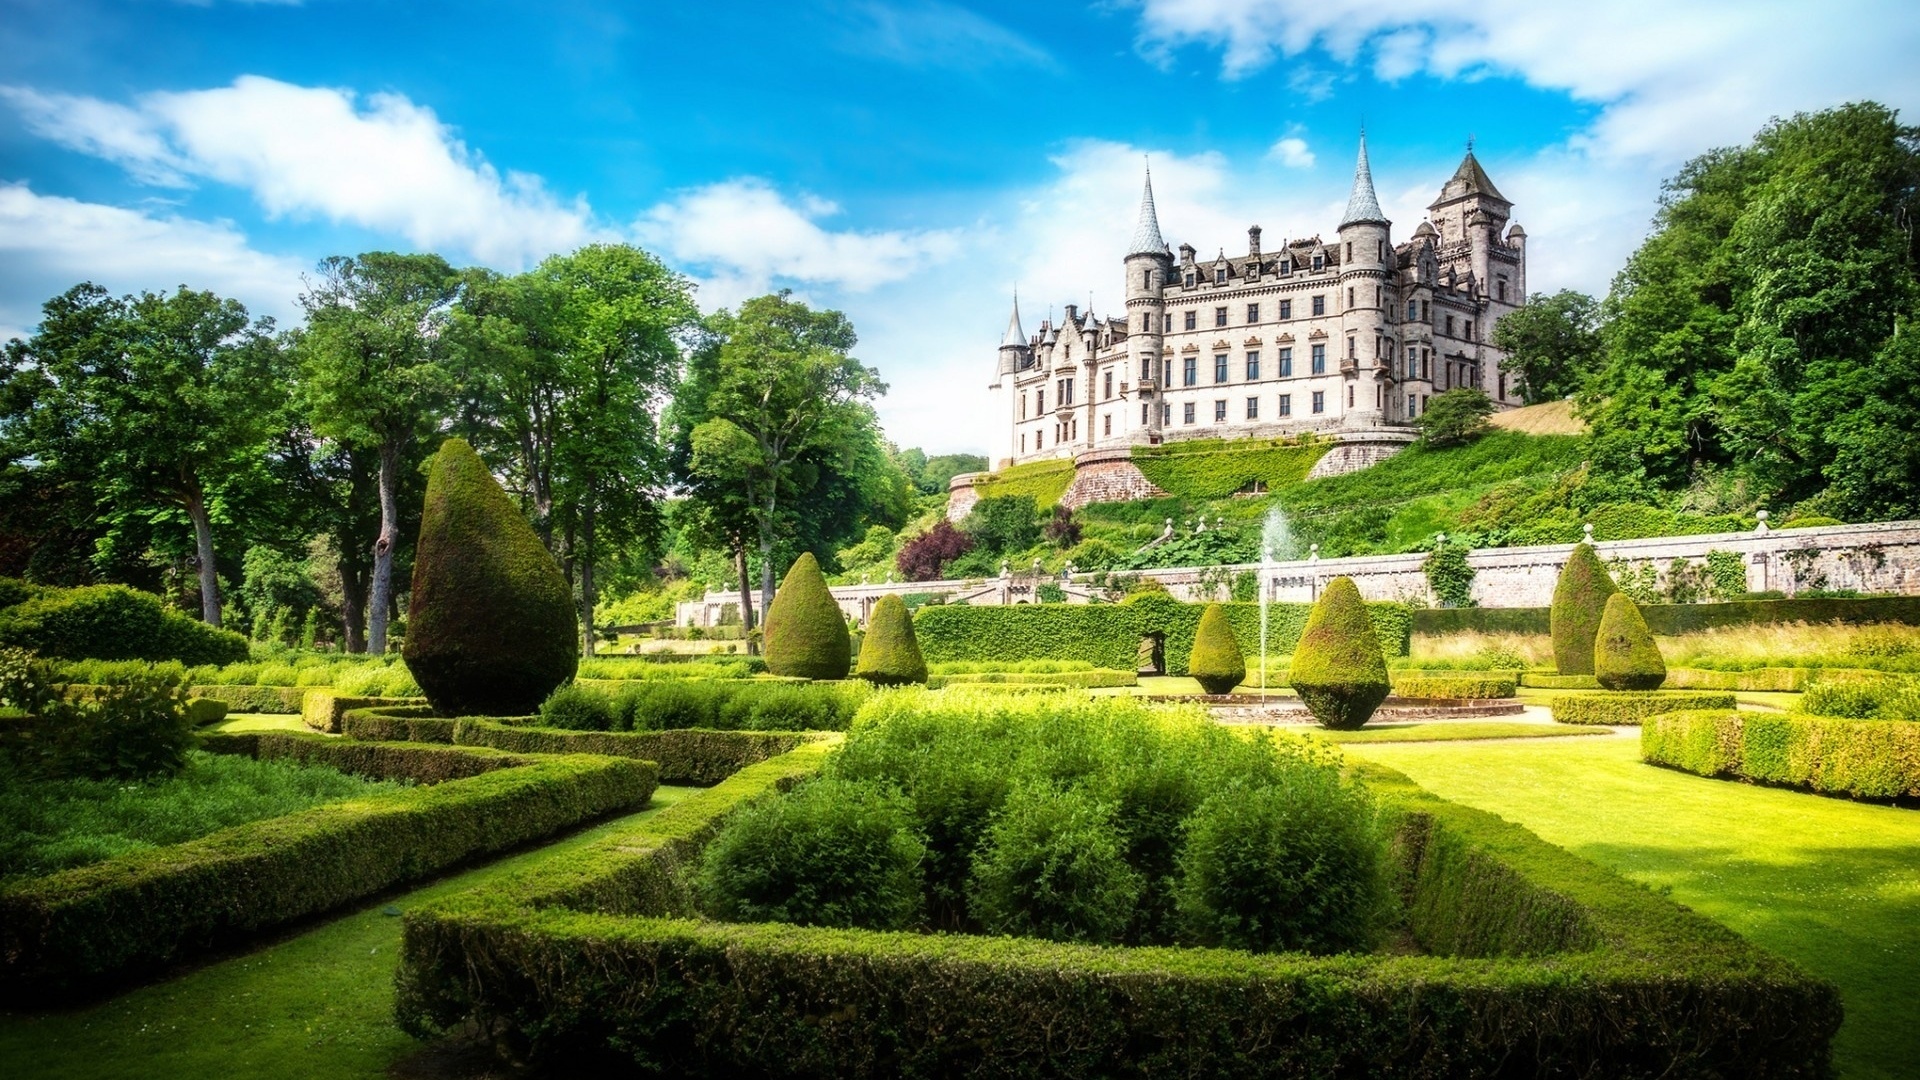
933 34
1293 152
384 163
746 237
49 244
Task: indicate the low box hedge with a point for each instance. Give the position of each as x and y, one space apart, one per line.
1456 685
396 723
1863 759
694 756
1793 679
1541 680
1671 620
285 700
1098 677
1631 706
1535 963
79 928
323 709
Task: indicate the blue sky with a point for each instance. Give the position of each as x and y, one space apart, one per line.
911 163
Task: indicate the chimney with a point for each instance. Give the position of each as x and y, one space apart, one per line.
1253 240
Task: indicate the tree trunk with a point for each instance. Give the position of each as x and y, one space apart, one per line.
203 545
586 579
353 609
380 599
746 592
766 556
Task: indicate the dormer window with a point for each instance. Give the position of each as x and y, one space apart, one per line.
1319 260
1191 281
1286 266
1219 275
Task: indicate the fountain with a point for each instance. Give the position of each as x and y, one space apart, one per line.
1276 543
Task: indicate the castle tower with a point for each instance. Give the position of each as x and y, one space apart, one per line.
1471 210
1012 358
1366 253
1148 265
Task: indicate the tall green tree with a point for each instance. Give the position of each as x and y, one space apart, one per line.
1552 343
373 363
152 403
773 402
1756 329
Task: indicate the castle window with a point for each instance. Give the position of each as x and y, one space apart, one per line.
1286 309
1166 412
1143 414
1023 406
1423 402
1253 367
1109 384
1186 413
1166 324
1411 399
1319 401
1349 397
1146 322
1349 296
1382 253
1286 363
1040 401
1413 310
1193 320
1319 260
1286 404
1500 289
1219 316
1039 439
1449 326
1426 311
1319 361
1320 305
1253 314
1146 279
1220 367
1220 412
1253 408
1286 265
1023 444
1349 251
1190 279
1352 349
1106 424
1219 275
1503 386
1076 428
1469 329
1190 371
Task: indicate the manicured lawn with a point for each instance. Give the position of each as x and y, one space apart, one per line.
318 1005
1452 731
1831 884
260 722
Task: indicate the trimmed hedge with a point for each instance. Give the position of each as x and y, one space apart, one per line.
1457 686
1541 680
289 700
1630 706
1216 468
1538 964
1108 635
413 724
1863 759
1339 669
1098 677
1046 481
806 633
1216 660
78 928
323 709
1672 620
889 655
1580 600
683 756
1624 654
1790 680
113 622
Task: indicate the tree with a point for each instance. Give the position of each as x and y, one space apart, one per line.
922 557
1216 660
775 395
1579 600
573 361
373 360
1625 656
806 632
151 404
1552 343
890 654
1455 417
1003 524
1339 669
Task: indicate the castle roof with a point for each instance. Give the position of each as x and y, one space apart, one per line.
1363 205
1146 234
1015 337
1468 179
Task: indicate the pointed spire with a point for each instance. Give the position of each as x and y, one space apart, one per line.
1146 234
1015 337
1363 205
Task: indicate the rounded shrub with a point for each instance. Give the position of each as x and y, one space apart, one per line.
577 708
113 622
806 635
1051 866
1338 668
1297 863
1579 600
890 655
491 628
829 853
1624 654
1216 660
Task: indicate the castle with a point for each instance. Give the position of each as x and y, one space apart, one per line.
1341 338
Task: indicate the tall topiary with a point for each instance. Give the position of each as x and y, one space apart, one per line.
1579 599
806 633
890 655
490 630
1624 654
1339 669
1216 660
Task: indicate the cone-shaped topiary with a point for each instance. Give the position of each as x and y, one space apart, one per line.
1624 654
491 627
1579 599
890 654
806 633
1339 670
1216 661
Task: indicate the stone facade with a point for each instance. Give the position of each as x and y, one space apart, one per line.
1359 450
1877 558
1106 476
1353 334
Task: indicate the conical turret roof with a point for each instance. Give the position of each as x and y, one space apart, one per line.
1469 179
1146 234
1015 336
1363 205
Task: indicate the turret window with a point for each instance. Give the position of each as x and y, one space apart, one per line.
1023 406
1413 310
1349 397
1500 289
1349 296
1349 251
1146 322
1143 414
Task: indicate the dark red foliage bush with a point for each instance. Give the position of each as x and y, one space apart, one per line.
922 557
